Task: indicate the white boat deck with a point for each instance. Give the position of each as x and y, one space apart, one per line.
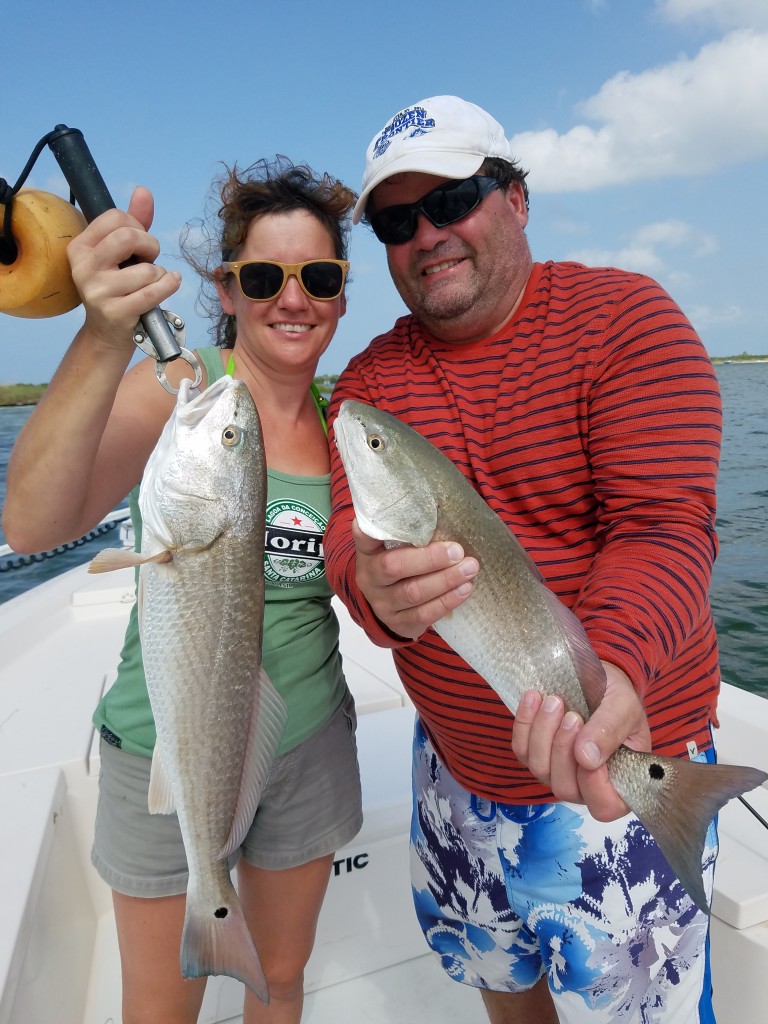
58 950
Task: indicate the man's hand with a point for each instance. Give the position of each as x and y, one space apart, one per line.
409 588
569 755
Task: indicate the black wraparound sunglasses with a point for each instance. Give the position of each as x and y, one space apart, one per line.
444 205
262 280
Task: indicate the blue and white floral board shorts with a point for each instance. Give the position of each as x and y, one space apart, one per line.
506 893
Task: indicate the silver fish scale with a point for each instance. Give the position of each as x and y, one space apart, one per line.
505 630
629 772
195 635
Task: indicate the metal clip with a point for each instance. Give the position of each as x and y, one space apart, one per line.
141 340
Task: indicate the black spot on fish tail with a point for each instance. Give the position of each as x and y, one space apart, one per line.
676 800
218 942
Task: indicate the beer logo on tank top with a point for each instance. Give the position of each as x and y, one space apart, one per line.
293 544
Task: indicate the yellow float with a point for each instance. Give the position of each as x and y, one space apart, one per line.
38 283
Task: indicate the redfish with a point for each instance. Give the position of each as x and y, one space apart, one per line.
201 609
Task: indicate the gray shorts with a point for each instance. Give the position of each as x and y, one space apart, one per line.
311 806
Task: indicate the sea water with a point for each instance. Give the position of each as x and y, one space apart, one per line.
739 592
16 574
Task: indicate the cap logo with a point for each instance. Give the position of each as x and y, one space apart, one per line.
414 118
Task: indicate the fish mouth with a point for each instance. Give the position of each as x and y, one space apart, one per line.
340 435
193 408
369 528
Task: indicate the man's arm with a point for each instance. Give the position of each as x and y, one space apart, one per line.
654 442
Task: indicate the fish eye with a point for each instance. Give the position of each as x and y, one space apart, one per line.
376 442
230 436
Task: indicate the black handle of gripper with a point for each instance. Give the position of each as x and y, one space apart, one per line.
92 196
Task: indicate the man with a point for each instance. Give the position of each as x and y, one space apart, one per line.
582 406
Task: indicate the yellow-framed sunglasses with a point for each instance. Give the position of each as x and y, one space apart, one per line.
263 280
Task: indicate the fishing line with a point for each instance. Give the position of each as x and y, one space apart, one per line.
8 248
752 810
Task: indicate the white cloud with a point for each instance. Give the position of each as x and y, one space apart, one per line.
641 260
726 14
692 116
703 317
675 234
646 249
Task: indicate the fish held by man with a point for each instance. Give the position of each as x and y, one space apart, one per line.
201 606
513 631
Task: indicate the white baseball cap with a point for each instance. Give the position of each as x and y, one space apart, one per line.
443 135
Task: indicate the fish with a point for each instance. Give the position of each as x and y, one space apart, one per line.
219 719
513 631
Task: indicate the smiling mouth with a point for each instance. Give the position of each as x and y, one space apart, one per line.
435 268
293 328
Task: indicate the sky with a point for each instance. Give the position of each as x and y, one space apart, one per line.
643 123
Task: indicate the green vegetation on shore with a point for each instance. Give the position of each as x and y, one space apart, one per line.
745 357
21 394
29 394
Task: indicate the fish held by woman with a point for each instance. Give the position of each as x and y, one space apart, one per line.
201 606
513 631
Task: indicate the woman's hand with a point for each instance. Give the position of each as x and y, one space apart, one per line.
115 296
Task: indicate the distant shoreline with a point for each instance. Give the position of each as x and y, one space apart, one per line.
20 394
12 395
15 395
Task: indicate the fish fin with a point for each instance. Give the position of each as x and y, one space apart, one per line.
110 559
589 668
219 942
160 796
266 728
679 799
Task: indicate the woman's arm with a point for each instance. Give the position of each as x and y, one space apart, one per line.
87 441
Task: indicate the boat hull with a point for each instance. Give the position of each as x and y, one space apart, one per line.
60 643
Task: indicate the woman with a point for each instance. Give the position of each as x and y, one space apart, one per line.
88 442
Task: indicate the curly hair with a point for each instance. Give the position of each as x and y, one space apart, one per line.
240 197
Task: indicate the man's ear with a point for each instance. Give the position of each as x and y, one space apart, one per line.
516 198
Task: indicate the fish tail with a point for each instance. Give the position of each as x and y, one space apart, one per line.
216 940
676 799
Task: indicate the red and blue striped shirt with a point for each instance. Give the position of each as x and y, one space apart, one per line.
591 423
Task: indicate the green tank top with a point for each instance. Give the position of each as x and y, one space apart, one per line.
301 633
